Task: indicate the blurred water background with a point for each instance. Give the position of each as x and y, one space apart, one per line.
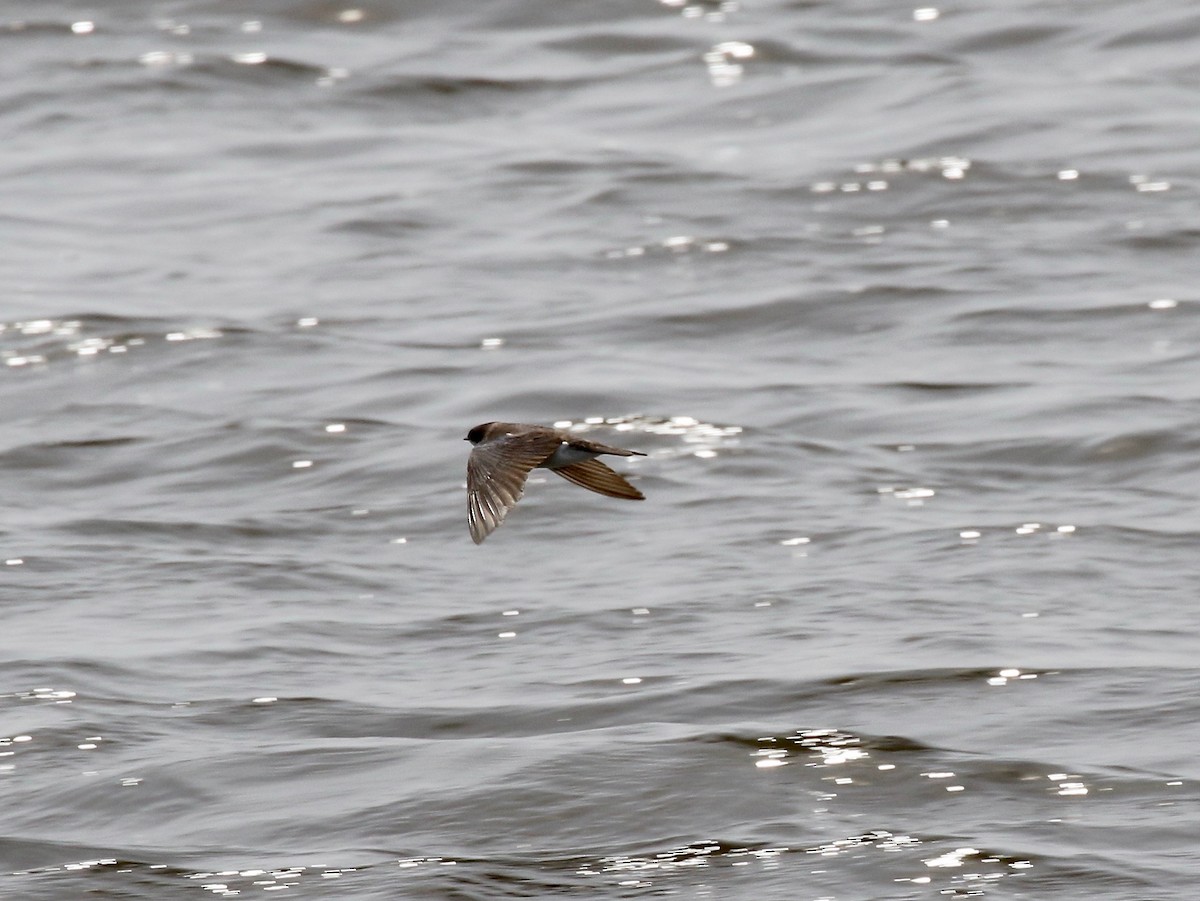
901 302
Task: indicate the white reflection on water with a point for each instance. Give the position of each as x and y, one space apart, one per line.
67 338
1145 185
972 536
724 62
57 696
232 883
699 439
1006 675
1069 784
162 58
953 168
912 496
674 245
830 747
708 10
953 858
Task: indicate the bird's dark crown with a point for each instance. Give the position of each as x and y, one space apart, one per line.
476 434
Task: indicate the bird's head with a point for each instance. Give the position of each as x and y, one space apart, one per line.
477 434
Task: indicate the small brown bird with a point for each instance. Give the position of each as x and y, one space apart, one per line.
505 452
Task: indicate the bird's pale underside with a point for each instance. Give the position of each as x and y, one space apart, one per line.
503 455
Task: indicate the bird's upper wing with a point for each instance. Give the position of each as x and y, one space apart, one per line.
496 473
597 448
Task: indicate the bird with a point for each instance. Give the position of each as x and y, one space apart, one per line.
503 454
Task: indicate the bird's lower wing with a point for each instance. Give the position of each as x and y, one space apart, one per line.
489 502
595 476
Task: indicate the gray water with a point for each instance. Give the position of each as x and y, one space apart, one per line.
901 304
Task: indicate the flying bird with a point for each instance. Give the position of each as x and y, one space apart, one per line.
505 452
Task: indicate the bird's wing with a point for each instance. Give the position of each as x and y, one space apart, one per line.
496 473
597 448
595 476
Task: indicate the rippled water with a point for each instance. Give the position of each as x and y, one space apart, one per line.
900 302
